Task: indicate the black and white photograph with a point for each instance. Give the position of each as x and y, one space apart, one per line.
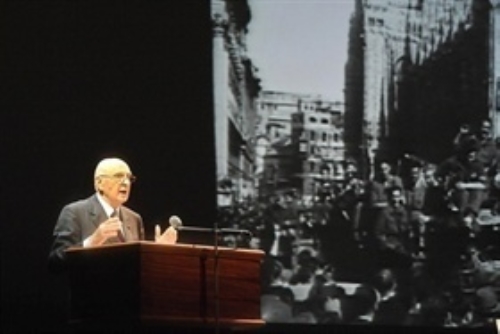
358 142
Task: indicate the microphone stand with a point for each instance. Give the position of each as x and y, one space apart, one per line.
220 231
216 276
216 232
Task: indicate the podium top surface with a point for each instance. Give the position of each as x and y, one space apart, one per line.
179 248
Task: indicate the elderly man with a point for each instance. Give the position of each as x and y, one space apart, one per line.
102 218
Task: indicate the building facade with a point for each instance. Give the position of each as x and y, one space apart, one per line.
427 67
236 87
317 138
301 145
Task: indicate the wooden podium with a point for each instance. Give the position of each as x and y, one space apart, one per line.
166 284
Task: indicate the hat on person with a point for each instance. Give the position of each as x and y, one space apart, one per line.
487 301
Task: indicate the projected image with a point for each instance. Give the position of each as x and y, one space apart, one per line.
357 142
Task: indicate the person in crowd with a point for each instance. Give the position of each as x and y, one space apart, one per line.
435 197
281 242
392 309
465 132
488 152
267 230
431 312
275 310
374 201
383 180
453 207
351 192
359 308
332 311
349 199
415 188
275 282
464 178
393 232
324 288
337 236
276 238
486 271
486 308
301 283
101 218
290 212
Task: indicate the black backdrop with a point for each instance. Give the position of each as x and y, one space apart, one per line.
82 80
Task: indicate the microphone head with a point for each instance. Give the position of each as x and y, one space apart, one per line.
175 221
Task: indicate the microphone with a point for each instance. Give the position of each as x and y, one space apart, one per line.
175 222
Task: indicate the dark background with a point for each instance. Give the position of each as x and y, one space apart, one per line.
82 80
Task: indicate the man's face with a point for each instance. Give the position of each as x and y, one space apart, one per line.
429 176
350 170
485 129
114 182
396 197
385 169
471 156
415 174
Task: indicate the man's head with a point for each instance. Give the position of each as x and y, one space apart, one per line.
468 149
430 175
112 180
385 281
415 173
364 300
395 195
385 168
485 129
351 170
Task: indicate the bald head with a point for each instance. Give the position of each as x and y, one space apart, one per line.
113 179
109 166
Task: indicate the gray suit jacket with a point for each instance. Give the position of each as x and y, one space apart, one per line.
78 220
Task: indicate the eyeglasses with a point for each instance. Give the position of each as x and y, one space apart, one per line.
120 177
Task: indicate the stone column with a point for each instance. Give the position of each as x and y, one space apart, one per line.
494 42
220 89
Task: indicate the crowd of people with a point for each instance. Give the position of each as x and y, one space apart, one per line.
415 243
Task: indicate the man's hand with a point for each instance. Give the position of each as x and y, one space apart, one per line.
169 237
106 230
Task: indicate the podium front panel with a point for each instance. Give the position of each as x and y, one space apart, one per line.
166 283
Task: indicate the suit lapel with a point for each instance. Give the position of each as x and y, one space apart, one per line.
96 212
97 215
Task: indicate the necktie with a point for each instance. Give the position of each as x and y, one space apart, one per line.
120 235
